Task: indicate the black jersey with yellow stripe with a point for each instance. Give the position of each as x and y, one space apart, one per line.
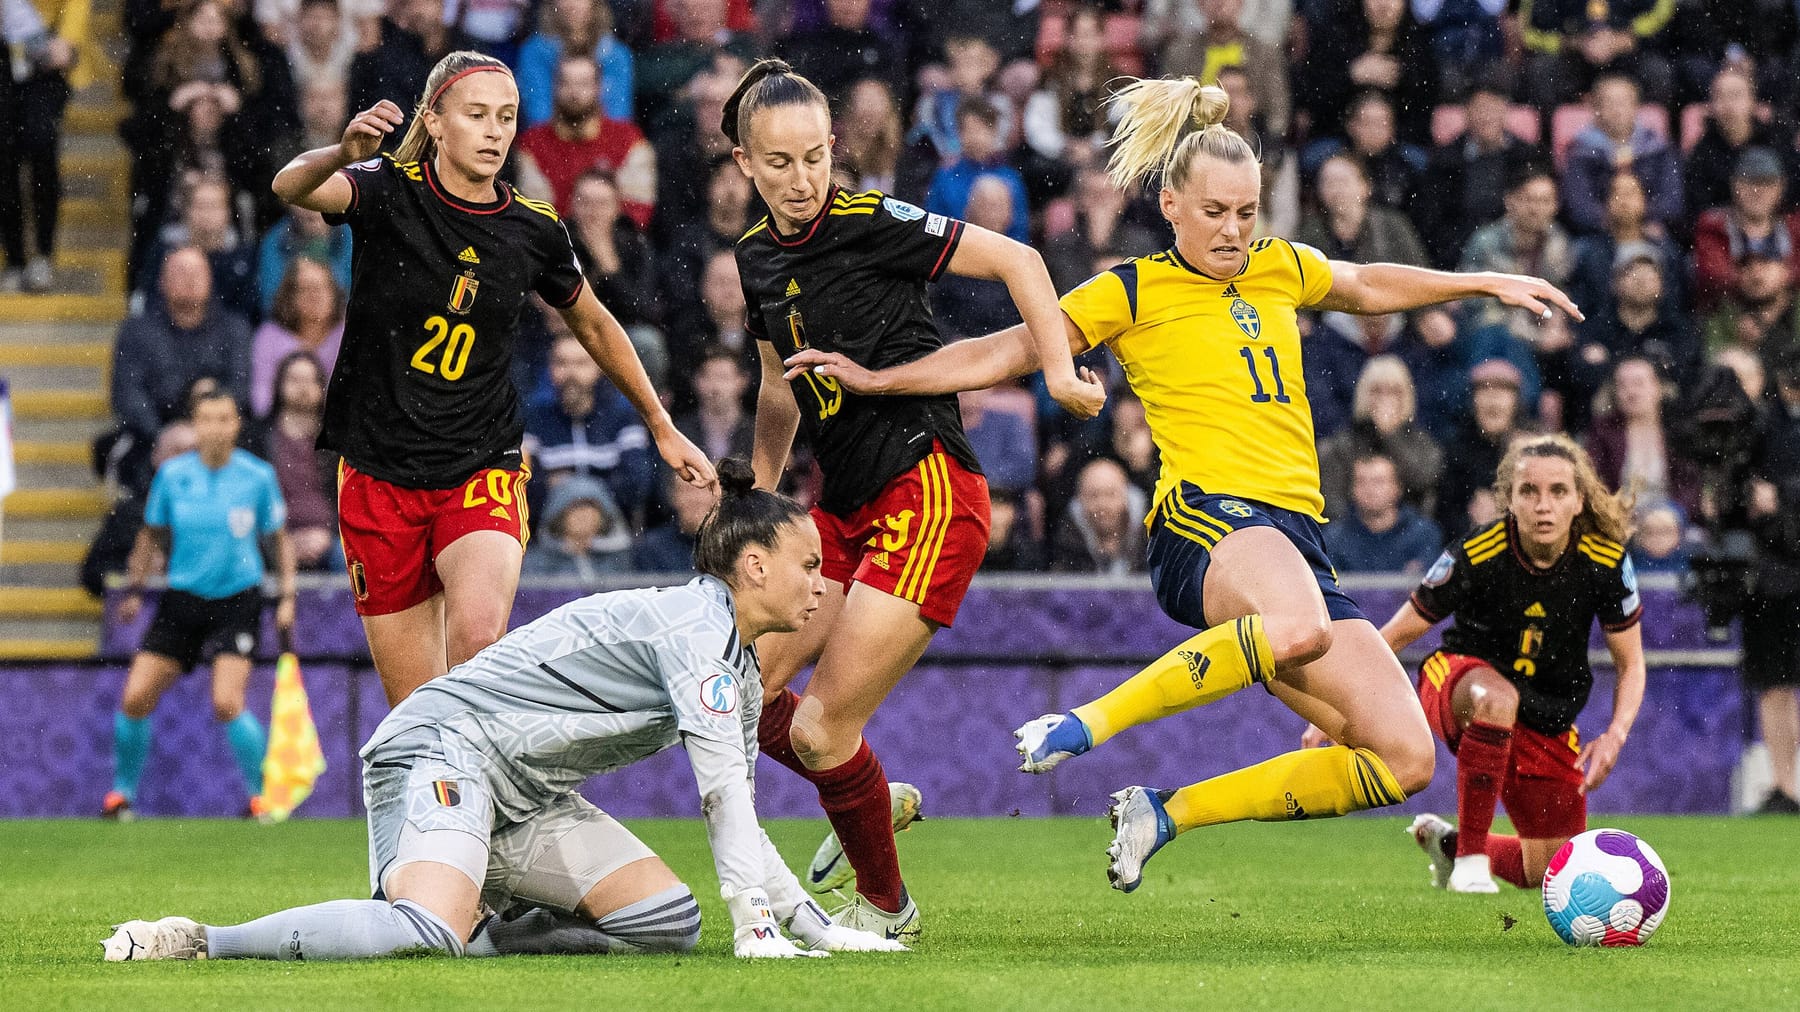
1531 623
853 281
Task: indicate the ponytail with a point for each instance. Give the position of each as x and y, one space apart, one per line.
766 84
745 515
417 145
1163 124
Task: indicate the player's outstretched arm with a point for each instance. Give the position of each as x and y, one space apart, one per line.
1599 756
311 180
1396 288
600 333
777 419
994 257
974 364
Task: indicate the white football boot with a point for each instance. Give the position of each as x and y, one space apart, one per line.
1141 827
169 938
1429 831
861 915
1471 874
831 871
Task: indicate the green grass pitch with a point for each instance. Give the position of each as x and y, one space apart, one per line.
1323 915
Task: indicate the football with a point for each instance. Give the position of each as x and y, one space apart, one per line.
1606 887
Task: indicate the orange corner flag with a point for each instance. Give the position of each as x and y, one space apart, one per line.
294 760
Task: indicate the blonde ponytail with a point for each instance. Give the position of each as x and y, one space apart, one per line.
1162 124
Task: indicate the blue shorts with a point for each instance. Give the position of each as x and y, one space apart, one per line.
1189 522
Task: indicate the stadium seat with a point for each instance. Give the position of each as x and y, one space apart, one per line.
1122 36
1568 120
1448 121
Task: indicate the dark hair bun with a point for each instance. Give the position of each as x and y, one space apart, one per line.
736 477
728 119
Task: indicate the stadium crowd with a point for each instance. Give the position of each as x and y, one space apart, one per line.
1640 153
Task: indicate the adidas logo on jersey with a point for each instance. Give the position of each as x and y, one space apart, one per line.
793 287
1536 610
500 512
1230 291
468 256
880 559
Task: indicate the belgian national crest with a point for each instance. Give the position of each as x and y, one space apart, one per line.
1244 315
462 293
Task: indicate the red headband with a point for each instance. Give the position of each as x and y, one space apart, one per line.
459 75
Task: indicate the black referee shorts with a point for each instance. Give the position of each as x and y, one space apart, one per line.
189 628
1771 642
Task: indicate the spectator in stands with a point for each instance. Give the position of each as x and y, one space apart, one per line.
971 63
578 139
576 27
209 223
1001 423
1164 20
614 255
209 513
1101 237
1637 321
1380 532
1630 442
1368 45
1395 169
586 428
1011 546
496 26
871 137
178 339
719 424
1747 366
1129 441
1468 179
410 39
1760 315
952 187
700 37
722 320
1526 240
1657 545
1752 224
324 109
584 535
843 50
1616 142
1225 43
42 39
1382 422
1347 225
1590 282
669 548
1493 421
1340 348
308 315
1569 43
970 307
1770 667
300 233
1245 116
1466 40
1066 118
689 245
286 438
688 143
1733 126
1102 530
322 43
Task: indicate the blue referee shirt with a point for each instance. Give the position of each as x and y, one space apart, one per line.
216 520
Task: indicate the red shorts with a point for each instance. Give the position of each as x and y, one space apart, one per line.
1542 790
392 534
921 539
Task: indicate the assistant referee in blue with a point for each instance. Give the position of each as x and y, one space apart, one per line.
210 512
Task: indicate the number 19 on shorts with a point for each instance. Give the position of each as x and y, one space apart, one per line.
446 349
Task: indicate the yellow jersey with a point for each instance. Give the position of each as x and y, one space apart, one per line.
1216 362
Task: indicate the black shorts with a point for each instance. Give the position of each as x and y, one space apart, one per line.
1771 642
189 628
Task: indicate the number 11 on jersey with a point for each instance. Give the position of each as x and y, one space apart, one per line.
1262 396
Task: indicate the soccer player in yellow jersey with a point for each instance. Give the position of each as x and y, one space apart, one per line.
1206 332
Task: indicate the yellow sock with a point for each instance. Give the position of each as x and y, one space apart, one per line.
1313 783
1208 667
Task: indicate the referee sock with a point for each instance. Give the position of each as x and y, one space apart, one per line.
1481 760
249 743
1208 667
340 929
131 749
1311 783
855 798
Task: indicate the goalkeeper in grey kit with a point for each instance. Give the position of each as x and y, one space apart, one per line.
471 781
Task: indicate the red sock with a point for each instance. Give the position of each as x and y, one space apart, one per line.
1506 859
1481 760
855 798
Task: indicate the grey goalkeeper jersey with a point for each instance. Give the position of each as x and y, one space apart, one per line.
597 685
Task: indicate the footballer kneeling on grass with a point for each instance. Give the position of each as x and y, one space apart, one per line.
471 781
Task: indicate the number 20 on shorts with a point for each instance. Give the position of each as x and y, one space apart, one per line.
456 341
